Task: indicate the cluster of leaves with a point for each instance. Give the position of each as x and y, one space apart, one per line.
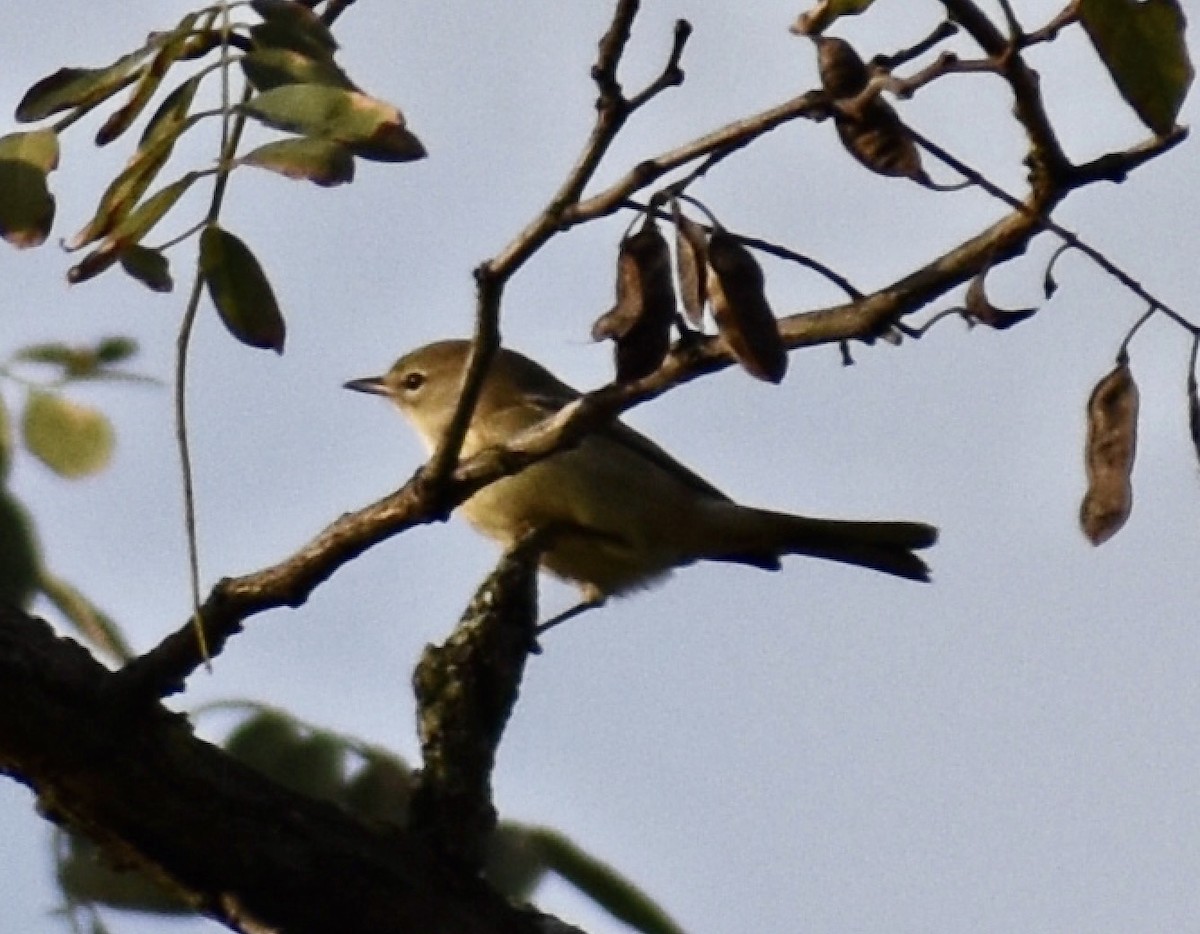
293 84
376 787
72 439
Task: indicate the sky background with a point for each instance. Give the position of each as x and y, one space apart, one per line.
1012 748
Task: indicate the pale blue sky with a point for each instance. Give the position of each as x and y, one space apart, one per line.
1013 748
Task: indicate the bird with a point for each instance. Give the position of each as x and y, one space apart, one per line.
622 513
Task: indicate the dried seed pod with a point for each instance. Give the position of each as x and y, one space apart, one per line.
877 140
1111 445
739 306
691 258
640 322
842 72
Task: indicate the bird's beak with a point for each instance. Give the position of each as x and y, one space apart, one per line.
372 384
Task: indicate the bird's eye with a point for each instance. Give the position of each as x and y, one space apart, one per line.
413 381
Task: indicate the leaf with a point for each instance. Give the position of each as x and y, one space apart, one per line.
603 884
149 267
691 250
171 117
6 442
272 68
72 439
20 557
640 322
172 47
96 626
285 18
87 878
740 308
116 349
77 87
842 72
321 161
1109 454
979 307
1143 47
240 290
367 127
130 229
26 204
814 21
124 191
381 790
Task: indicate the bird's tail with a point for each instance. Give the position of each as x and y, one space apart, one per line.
765 536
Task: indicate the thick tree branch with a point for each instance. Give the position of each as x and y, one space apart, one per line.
233 844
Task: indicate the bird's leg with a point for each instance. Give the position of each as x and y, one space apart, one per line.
592 598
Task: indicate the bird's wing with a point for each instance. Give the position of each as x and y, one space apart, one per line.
548 404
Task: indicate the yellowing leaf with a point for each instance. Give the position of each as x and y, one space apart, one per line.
321 161
273 68
72 439
1143 47
368 127
26 204
173 44
240 290
75 87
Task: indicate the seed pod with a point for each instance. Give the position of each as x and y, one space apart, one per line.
1111 445
842 72
739 306
878 141
640 322
1193 409
979 307
691 258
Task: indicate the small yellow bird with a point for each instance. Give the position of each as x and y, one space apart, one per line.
623 512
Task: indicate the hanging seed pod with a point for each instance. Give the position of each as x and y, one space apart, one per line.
1111 445
878 140
979 307
739 306
640 322
842 72
1193 409
691 258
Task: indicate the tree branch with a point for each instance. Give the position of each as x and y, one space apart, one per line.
233 844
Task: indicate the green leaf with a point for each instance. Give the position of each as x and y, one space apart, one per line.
173 44
116 349
317 160
170 119
87 877
72 439
291 25
149 267
1142 45
20 558
6 442
240 290
26 204
125 190
78 87
366 126
129 230
272 68
603 884
89 620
